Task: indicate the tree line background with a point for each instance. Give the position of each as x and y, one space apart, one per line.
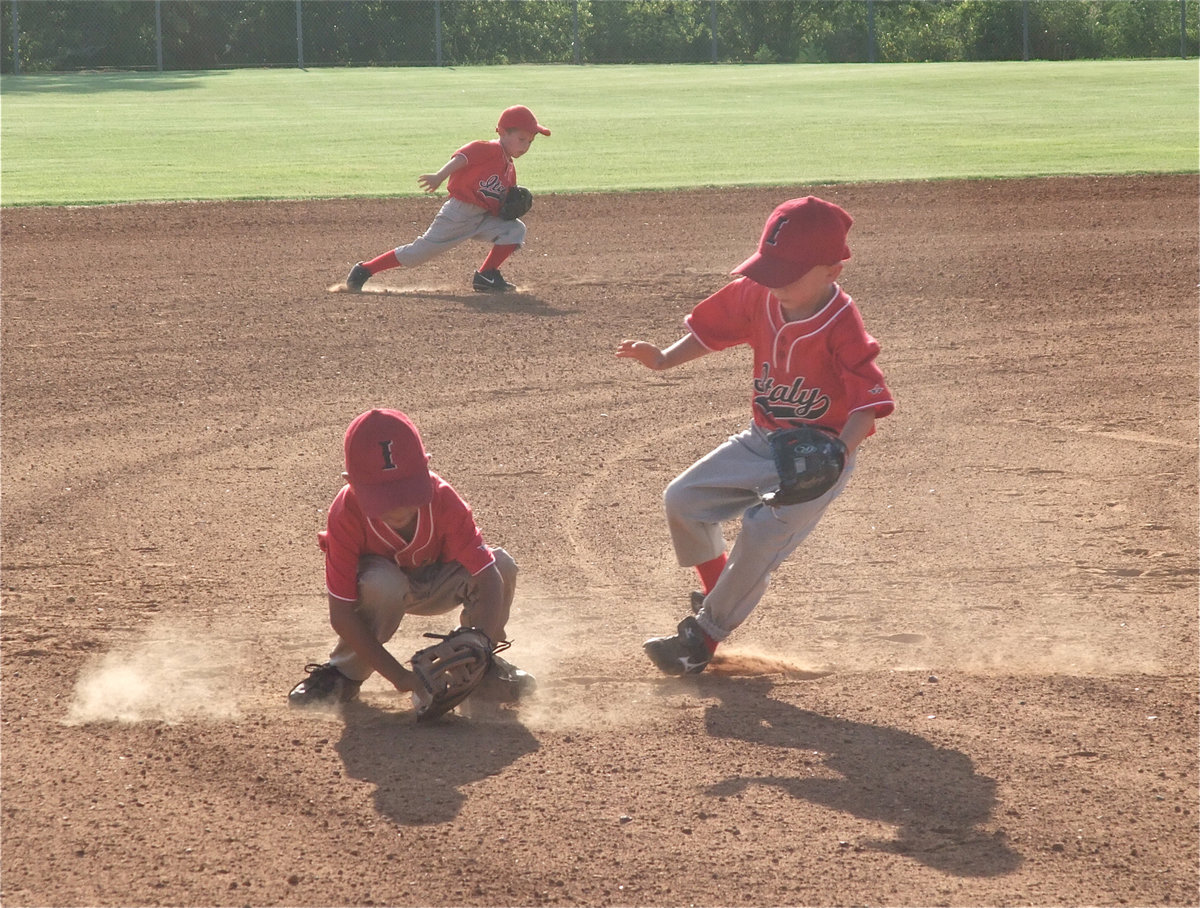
75 35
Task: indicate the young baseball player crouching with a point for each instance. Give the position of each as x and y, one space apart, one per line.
485 204
816 393
400 541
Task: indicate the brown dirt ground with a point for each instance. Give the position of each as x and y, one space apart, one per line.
975 685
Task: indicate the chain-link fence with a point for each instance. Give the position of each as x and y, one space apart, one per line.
79 35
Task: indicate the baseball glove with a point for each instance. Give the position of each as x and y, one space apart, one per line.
809 461
449 670
517 201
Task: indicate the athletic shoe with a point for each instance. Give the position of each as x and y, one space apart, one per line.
358 276
491 281
324 684
685 653
504 683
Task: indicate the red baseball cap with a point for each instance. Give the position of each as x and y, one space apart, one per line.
386 463
799 235
521 117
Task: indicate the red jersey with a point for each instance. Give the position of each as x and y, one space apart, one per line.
445 531
488 175
818 370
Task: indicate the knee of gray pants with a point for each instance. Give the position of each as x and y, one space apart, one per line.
696 536
508 574
381 583
508 233
507 567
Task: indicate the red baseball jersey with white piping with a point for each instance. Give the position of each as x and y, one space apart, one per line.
445 532
486 178
818 370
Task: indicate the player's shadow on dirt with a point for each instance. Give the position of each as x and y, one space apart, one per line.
931 794
507 303
419 771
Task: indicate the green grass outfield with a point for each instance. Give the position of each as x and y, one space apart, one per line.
253 134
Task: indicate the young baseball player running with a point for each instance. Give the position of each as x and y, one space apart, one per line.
480 175
814 365
400 541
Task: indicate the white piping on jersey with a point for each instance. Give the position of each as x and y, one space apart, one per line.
870 406
410 549
826 321
700 342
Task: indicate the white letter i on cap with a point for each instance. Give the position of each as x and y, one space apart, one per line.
386 447
773 238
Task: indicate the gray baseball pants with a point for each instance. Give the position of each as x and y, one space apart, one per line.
455 223
386 594
721 485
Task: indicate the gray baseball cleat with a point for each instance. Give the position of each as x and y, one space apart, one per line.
358 276
684 653
324 685
504 683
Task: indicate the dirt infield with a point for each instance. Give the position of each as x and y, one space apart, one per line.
975 685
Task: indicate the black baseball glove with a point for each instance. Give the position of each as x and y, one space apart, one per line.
809 461
517 201
449 670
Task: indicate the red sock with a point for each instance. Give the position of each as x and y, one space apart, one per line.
382 262
710 572
498 256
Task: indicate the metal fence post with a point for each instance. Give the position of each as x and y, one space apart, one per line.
575 31
1025 30
16 27
437 32
299 37
1182 29
158 34
712 27
870 31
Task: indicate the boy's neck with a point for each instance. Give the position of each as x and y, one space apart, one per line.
799 310
406 531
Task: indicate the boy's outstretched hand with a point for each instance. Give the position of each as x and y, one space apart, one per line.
647 354
684 350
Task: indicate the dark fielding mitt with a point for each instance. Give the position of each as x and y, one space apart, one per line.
449 670
809 461
517 201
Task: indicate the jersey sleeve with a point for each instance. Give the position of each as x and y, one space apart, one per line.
863 383
343 542
725 319
473 151
462 540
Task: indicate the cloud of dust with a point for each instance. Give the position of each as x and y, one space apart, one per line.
747 663
157 681
588 681
585 681
1078 658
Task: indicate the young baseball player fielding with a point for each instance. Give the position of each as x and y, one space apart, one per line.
400 541
481 175
814 369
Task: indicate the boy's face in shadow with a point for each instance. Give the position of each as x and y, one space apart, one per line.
400 518
516 142
809 289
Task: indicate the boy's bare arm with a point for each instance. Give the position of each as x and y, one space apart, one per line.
684 350
348 625
431 181
860 424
